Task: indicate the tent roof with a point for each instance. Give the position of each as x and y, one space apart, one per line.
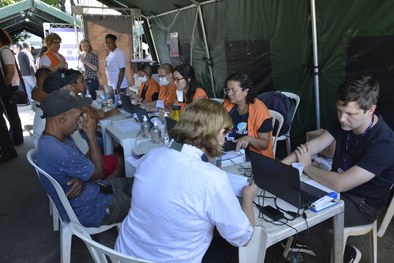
13 17
151 7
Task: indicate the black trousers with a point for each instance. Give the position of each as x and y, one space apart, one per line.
10 109
5 141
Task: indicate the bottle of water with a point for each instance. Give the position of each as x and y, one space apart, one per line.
145 127
155 133
165 137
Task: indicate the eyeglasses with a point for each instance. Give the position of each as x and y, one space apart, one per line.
234 91
178 79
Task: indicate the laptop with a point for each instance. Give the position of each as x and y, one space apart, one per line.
126 103
283 181
170 123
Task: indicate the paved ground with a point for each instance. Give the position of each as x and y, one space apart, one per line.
26 233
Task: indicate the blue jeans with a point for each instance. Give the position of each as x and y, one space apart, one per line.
92 85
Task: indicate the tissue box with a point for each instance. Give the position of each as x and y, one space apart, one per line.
329 151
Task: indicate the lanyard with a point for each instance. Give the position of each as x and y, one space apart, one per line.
362 135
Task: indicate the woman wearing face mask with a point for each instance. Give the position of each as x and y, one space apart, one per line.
188 88
149 89
167 86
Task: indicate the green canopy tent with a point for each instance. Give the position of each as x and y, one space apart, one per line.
29 15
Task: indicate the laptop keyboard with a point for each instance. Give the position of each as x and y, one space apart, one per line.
307 198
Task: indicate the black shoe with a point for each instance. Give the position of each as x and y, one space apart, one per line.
8 156
297 247
351 255
17 143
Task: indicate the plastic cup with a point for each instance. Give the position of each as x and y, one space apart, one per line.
299 167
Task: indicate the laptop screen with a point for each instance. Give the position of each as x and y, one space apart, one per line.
126 103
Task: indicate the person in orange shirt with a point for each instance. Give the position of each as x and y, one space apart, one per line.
149 89
167 86
188 89
52 58
252 121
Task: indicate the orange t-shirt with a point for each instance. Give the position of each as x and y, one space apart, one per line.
152 88
258 113
168 96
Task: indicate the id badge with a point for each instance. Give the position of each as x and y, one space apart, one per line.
346 163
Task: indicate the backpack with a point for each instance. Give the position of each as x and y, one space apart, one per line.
275 100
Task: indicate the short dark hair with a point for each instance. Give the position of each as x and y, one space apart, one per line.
111 36
245 82
42 71
364 90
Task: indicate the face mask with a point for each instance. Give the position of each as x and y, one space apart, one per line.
163 81
143 79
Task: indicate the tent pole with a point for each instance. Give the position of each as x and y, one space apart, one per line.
153 39
315 63
207 50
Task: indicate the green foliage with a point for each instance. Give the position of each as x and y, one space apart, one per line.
4 3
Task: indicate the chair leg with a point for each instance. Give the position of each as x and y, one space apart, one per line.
55 218
65 243
50 207
288 145
374 243
287 247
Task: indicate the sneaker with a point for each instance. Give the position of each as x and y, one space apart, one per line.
351 255
297 247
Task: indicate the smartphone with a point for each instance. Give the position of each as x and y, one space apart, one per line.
271 212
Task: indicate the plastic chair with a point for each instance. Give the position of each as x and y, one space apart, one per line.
277 122
66 213
218 100
99 252
387 218
287 135
52 209
34 137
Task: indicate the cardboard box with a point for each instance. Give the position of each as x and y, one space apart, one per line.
329 151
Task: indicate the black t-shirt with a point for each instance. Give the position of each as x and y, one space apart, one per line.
373 152
240 128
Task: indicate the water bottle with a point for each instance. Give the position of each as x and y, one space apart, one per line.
155 133
145 127
165 137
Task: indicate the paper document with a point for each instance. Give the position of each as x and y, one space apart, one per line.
126 126
237 182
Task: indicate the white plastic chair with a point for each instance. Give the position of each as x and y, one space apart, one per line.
34 137
218 100
99 252
387 218
287 135
67 215
52 209
276 118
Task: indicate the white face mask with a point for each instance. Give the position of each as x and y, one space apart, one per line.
143 79
163 81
